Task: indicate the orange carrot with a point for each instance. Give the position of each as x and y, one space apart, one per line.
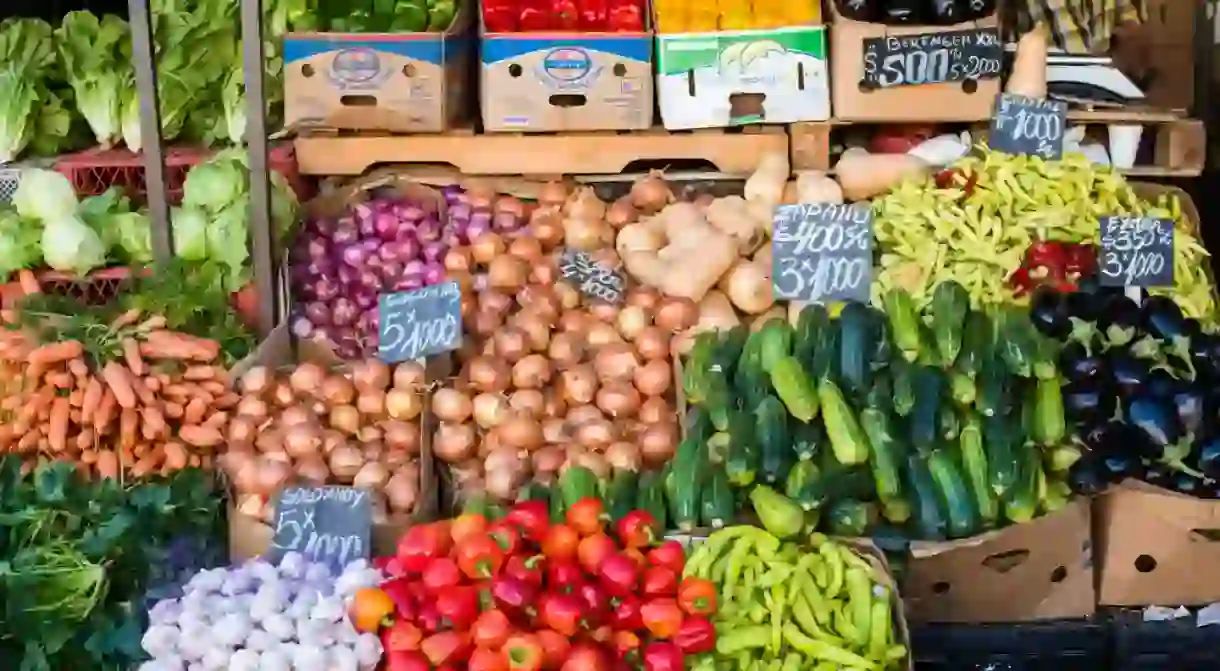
177 392
213 387
91 399
61 379
154 422
29 440
218 420
57 428
176 456
153 383
78 368
88 457
226 401
73 415
153 323
173 410
129 422
119 380
131 355
57 352
146 397
141 450
174 345
105 413
194 411
107 464
76 397
29 282
85 439
126 319
200 436
144 466
195 461
199 373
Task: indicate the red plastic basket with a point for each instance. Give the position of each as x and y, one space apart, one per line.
94 170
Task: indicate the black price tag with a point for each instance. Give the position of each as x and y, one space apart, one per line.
592 278
822 252
326 524
932 58
1136 252
1030 126
419 323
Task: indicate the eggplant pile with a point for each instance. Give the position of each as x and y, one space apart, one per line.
1141 392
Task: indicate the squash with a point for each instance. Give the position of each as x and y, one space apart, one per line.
1028 77
863 175
815 186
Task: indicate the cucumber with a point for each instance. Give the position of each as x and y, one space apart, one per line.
687 469
807 439
994 393
1002 436
717 505
903 374
885 450
557 508
1021 505
776 342
960 515
1015 339
856 345
699 424
718 446
1049 425
799 476
950 303
775 446
650 496
849 517
929 520
577 483
750 380
622 493
808 336
825 361
741 464
974 465
883 348
950 423
924 419
904 323
976 346
794 388
727 351
696 370
832 481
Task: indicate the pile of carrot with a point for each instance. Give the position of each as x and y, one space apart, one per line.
159 404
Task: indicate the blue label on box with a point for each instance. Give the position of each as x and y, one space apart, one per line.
573 54
359 53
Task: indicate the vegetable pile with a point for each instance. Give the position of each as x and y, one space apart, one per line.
790 606
311 426
35 113
941 424
1140 393
79 554
520 592
256 616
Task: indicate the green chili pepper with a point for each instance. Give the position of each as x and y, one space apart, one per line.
860 601
825 651
745 638
834 562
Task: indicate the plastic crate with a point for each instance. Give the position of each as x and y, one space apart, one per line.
1047 645
94 170
10 176
1170 645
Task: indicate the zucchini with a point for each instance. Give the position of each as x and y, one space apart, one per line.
741 464
856 346
812 321
687 469
1049 425
904 323
960 516
794 388
807 439
771 429
885 451
928 518
974 465
717 505
924 419
776 342
847 439
849 517
622 493
903 374
578 483
950 302
1002 436
1021 505
650 496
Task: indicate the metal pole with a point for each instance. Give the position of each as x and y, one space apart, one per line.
260 187
150 126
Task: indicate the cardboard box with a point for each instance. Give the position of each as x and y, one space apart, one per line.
1037 570
540 82
407 82
713 80
1157 547
950 101
250 536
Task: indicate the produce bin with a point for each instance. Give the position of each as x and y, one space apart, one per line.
1050 645
1168 645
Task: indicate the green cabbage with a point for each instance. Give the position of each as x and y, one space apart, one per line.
190 227
19 244
132 233
43 195
69 245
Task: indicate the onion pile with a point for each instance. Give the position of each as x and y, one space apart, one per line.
341 264
546 379
311 426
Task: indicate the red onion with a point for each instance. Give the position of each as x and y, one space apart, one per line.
317 313
345 234
434 252
354 256
325 289
434 273
344 312
386 225
302 328
409 282
365 300
429 230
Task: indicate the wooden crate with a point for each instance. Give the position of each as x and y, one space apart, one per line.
734 151
1178 143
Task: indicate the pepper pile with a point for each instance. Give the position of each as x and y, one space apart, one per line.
590 16
1060 265
786 606
522 593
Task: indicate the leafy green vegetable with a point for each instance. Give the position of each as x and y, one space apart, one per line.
133 236
69 245
26 57
43 195
190 228
92 52
19 244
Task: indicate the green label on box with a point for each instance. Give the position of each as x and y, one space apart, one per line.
739 51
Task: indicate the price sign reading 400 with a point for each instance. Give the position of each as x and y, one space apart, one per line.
822 252
1028 126
414 324
1136 252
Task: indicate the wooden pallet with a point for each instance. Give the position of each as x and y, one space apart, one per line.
1179 143
733 151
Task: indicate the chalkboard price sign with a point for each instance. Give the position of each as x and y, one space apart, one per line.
932 58
326 524
822 252
1029 126
414 324
592 278
1136 252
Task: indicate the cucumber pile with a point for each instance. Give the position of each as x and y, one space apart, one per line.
937 425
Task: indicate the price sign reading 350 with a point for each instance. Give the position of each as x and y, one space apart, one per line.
1136 252
414 324
822 252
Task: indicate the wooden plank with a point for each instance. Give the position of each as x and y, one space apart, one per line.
1123 115
538 154
810 144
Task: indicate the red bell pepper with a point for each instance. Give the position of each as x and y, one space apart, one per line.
626 16
535 15
1049 255
506 535
660 581
531 518
459 605
593 550
697 634
491 629
626 644
626 614
421 544
441 574
480 557
524 653
586 656
405 660
500 16
619 575
555 647
446 647
467 525
587 516
429 618
528 569
669 554
401 635
561 612
596 603
662 656
594 15
486 659
565 14
637 529
697 596
560 543
399 591
513 594
662 617
1081 260
563 576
